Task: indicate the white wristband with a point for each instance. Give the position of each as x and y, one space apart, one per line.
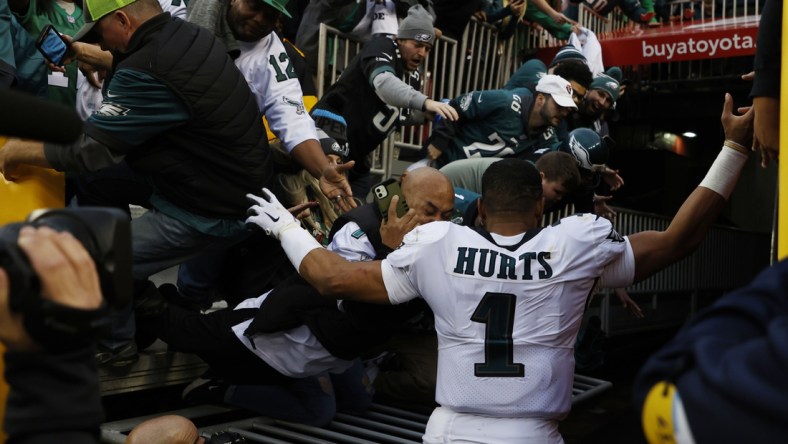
724 172
297 243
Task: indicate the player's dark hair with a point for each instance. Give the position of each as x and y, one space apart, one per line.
511 185
574 70
558 166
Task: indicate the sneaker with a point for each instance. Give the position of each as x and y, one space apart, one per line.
174 297
205 390
119 357
647 16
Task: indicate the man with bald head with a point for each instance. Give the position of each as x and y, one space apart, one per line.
363 235
167 429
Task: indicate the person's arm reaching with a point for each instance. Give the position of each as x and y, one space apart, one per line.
333 182
545 7
281 100
397 93
328 272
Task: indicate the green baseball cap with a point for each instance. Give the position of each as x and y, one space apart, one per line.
93 11
279 5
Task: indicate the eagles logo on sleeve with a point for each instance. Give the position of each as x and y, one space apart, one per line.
112 110
297 104
465 102
614 236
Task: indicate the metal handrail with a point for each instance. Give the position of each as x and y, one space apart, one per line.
711 266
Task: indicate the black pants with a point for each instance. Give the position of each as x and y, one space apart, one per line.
210 337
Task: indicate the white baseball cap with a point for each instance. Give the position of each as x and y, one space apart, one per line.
558 88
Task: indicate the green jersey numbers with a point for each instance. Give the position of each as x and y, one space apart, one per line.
283 66
496 311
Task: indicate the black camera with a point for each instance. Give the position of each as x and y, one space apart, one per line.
106 235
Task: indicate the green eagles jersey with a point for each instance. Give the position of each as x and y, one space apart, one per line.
61 90
492 123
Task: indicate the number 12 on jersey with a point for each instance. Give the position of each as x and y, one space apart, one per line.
496 311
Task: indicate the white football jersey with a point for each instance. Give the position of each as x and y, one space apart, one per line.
507 309
295 353
176 8
352 243
272 78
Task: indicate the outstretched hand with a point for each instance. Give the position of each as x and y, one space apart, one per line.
632 307
433 153
610 176
737 129
267 213
602 209
334 185
442 109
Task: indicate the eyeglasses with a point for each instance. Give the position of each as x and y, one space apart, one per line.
578 92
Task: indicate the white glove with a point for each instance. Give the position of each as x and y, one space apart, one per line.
268 214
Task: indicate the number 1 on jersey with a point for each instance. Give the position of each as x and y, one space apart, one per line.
496 311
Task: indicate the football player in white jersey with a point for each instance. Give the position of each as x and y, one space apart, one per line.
508 298
247 28
262 341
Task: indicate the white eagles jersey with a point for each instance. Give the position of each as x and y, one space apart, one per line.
176 8
506 317
296 353
352 243
272 78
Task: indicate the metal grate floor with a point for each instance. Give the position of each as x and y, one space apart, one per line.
381 424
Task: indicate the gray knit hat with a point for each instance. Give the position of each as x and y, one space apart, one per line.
568 53
608 81
417 26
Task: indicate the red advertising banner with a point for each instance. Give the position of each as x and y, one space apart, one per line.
690 41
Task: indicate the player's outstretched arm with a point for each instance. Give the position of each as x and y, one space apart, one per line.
328 272
654 250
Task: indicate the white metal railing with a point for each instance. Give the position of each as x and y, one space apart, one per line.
711 266
439 82
729 10
481 61
336 50
590 19
718 9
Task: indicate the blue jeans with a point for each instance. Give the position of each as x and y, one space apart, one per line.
158 243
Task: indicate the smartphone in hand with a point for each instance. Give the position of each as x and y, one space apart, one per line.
52 45
382 194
